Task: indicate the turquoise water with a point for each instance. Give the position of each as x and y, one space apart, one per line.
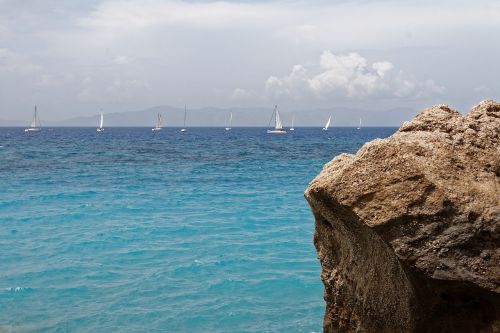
129 231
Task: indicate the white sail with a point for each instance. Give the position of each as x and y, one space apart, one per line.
101 124
33 121
293 120
278 126
277 121
230 122
183 129
159 121
359 126
328 123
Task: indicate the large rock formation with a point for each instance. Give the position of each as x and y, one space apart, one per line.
408 229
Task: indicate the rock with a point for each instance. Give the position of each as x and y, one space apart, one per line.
408 229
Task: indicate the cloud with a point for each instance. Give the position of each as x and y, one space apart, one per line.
86 91
100 89
46 80
122 13
294 85
121 60
241 94
13 62
124 84
349 75
301 33
203 50
382 68
482 90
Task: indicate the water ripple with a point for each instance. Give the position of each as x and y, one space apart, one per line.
134 232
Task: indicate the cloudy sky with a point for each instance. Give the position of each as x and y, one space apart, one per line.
73 58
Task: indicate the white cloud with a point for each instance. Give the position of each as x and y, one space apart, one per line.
301 33
241 94
382 68
346 72
202 50
293 85
121 60
482 90
128 14
349 75
16 63
46 80
124 84
86 92
100 89
403 87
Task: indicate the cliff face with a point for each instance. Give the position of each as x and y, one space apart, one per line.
408 229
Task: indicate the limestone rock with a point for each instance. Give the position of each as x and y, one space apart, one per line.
408 229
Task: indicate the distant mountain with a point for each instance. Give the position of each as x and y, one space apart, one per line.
258 116
13 123
173 116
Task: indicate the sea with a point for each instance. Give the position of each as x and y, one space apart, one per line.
131 230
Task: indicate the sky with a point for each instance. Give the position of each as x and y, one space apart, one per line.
74 58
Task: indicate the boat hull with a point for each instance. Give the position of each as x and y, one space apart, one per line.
276 131
32 129
156 129
98 130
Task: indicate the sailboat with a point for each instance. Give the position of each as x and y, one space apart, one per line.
278 127
158 123
101 122
35 123
327 124
184 129
230 122
292 128
359 126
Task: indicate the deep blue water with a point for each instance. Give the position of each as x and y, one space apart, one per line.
126 231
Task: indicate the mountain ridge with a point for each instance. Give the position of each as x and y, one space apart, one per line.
242 117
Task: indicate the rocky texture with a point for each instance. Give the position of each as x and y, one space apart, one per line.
408 229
